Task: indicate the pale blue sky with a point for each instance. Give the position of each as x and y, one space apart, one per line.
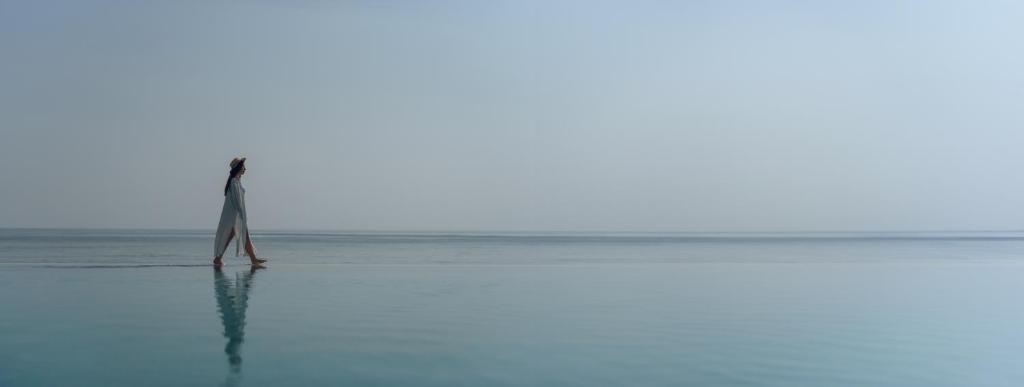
593 116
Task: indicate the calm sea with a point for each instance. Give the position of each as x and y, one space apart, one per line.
143 308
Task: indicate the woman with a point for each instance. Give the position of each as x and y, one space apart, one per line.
233 221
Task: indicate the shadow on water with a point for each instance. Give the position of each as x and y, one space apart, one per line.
232 300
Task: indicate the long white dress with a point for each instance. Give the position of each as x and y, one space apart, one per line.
232 217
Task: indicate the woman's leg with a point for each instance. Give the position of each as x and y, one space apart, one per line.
217 260
251 250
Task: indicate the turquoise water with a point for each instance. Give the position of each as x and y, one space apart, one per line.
120 308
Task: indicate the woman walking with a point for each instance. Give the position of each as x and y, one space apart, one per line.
233 221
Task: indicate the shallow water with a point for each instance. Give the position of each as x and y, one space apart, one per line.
102 308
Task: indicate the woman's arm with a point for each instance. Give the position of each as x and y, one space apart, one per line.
243 221
239 200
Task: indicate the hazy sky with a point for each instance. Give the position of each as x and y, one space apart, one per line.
490 115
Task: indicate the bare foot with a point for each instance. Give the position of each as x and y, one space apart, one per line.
257 265
261 260
218 263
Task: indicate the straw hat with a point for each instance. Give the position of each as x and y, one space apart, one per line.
235 161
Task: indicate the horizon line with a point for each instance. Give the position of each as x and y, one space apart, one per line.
522 231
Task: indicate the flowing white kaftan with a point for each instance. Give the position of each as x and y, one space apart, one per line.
232 217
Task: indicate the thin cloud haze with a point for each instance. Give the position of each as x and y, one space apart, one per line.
609 116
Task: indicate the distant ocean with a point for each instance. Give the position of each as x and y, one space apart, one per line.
143 307
162 247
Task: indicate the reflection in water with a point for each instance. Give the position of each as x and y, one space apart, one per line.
232 300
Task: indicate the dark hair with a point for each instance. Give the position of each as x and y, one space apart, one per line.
234 172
